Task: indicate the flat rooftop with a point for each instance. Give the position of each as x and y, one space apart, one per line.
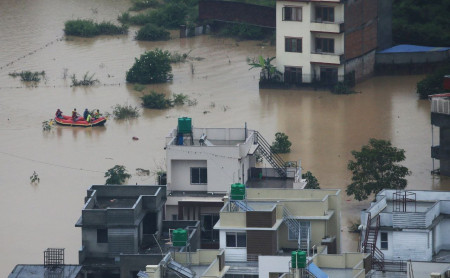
39 271
270 183
418 206
104 203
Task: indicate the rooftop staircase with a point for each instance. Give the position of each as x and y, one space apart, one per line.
274 159
370 243
304 233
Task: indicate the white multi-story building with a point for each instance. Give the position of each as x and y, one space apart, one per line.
203 163
412 225
322 40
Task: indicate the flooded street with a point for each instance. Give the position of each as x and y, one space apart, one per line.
322 127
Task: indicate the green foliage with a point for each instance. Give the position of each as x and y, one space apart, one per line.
88 80
125 111
432 83
176 57
180 99
139 5
376 168
138 87
312 182
88 28
268 3
421 22
34 178
156 100
152 67
342 89
116 175
151 32
268 71
171 15
28 76
242 31
281 144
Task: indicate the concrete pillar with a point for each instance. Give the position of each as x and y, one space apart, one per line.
153 271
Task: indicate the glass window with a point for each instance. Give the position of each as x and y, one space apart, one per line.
102 235
292 13
199 175
293 75
236 239
207 227
325 14
324 45
293 45
384 240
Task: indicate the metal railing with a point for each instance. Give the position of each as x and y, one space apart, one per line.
274 159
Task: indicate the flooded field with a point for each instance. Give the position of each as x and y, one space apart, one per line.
323 128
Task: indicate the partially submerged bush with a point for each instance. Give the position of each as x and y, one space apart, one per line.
242 31
89 28
139 5
180 99
156 100
171 15
151 32
125 111
88 80
152 67
281 144
432 83
28 76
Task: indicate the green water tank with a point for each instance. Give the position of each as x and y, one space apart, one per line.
184 125
237 191
294 259
179 237
301 259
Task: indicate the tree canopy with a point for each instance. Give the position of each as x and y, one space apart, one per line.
152 67
376 168
116 175
311 181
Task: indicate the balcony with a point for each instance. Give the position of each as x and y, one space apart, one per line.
438 152
327 58
327 27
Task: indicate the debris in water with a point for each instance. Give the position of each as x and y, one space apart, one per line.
135 138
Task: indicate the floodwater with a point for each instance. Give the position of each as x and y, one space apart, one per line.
323 128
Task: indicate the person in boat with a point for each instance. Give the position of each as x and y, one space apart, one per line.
85 113
89 118
58 114
75 115
97 114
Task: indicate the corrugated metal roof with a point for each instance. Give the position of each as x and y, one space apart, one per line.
403 48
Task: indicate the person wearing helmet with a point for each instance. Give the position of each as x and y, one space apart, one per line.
85 113
58 114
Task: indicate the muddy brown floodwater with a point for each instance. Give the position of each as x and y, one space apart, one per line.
323 128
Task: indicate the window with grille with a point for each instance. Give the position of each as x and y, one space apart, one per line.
199 175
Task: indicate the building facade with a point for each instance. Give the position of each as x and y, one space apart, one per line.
322 41
412 225
273 221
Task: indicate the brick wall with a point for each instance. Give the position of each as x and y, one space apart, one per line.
360 27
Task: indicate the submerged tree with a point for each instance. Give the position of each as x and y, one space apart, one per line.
268 71
116 175
311 181
376 168
281 144
152 67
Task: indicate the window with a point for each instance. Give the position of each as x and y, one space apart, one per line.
324 14
102 235
207 224
292 13
324 45
304 227
293 45
174 217
293 75
199 176
384 241
236 239
328 75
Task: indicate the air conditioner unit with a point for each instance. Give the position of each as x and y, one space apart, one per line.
435 275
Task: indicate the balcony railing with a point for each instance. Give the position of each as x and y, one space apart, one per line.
327 26
318 56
